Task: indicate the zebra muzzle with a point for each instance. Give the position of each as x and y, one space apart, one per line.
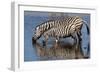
33 40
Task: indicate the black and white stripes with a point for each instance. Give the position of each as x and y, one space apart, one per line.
60 28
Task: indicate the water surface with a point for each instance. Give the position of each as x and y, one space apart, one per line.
54 51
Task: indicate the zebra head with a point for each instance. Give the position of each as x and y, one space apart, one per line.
37 33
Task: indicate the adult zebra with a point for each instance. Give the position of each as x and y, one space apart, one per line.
68 26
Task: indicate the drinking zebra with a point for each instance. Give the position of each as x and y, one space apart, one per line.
60 28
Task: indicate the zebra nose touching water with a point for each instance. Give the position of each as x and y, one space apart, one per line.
69 26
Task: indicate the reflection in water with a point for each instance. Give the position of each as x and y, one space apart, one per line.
57 51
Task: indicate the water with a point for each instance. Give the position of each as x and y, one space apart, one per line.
54 51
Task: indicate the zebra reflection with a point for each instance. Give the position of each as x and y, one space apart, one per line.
58 51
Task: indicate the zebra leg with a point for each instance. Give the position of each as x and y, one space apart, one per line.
75 37
80 39
45 41
77 46
79 35
80 42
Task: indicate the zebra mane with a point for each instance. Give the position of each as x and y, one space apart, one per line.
43 23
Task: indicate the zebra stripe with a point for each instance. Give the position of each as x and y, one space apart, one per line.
56 32
72 24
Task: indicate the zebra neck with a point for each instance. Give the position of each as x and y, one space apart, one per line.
36 37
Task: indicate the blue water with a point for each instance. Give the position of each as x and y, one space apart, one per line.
32 19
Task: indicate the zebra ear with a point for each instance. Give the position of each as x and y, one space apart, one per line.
33 31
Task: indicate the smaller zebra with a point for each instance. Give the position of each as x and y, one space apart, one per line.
56 33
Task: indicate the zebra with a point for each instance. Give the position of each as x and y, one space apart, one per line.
66 26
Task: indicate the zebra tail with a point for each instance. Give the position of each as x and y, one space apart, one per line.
86 24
